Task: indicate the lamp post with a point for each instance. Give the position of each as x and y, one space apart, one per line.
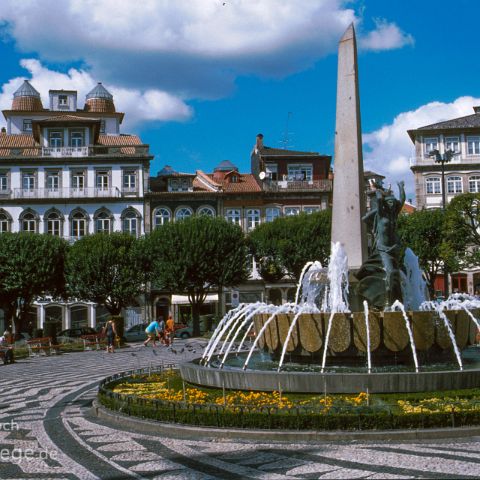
442 159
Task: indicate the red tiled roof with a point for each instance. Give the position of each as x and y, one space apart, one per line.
12 142
100 105
114 140
245 183
27 104
68 118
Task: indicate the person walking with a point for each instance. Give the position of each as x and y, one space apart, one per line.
169 331
110 331
153 331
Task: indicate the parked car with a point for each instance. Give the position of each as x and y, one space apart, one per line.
77 332
183 331
136 333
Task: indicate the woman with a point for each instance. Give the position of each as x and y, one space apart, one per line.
110 331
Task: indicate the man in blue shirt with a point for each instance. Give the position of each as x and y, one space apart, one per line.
153 330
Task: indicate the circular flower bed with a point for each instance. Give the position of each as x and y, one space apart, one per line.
164 396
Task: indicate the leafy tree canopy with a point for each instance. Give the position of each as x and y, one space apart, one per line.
106 269
287 243
31 265
196 254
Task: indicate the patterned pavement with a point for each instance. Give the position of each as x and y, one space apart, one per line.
48 432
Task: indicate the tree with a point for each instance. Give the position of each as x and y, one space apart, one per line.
195 255
425 233
287 243
106 269
31 265
462 227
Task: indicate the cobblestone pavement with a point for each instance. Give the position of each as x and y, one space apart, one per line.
47 432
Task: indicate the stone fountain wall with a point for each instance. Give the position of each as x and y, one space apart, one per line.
389 338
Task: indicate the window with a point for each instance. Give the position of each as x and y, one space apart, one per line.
179 184
311 209
433 185
28 223
54 224
28 181
77 138
234 215
300 172
63 101
253 218
53 181
431 144
290 211
79 225
129 180
3 182
272 213
454 185
103 222
234 179
4 222
78 180
55 138
453 144
473 145
130 222
271 171
182 213
27 125
102 179
474 184
162 216
102 126
206 211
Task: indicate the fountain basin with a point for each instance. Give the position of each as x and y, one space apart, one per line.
389 338
330 382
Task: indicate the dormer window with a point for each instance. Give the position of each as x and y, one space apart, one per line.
77 138
297 172
63 101
102 126
55 138
234 179
27 125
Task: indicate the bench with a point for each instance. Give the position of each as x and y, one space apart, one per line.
93 341
37 346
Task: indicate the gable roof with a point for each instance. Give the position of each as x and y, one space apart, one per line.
460 123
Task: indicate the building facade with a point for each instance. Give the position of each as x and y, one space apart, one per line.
69 172
461 137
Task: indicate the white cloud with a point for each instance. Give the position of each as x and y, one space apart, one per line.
140 106
388 150
192 47
386 36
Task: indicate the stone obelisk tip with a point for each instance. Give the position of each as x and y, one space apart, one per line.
349 33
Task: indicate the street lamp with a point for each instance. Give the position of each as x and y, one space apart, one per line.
442 159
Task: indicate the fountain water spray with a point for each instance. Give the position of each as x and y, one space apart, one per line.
367 327
399 305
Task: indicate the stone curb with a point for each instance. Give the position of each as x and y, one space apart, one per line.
189 431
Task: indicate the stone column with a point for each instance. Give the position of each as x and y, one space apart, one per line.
92 319
348 183
66 318
40 316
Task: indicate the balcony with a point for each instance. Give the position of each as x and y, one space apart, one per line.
457 160
65 152
297 185
75 152
47 193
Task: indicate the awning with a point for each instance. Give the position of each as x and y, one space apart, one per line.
183 299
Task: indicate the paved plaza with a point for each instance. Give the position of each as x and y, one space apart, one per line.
48 431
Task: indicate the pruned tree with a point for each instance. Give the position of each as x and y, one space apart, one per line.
286 244
196 255
31 266
106 269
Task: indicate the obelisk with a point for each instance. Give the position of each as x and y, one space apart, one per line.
348 183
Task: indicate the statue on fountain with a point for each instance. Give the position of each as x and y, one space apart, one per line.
379 276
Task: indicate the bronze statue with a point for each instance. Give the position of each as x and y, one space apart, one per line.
379 277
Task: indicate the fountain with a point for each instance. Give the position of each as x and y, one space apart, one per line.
366 326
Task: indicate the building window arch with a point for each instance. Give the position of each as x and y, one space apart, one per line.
253 218
53 222
162 216
29 221
206 211
474 184
5 221
103 219
131 221
454 184
433 185
78 223
183 212
271 213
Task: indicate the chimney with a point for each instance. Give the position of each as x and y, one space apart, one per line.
259 143
476 109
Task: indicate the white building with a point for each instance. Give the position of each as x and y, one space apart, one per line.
70 172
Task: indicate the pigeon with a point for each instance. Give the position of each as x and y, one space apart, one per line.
154 352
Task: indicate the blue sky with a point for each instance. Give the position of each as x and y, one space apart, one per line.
198 79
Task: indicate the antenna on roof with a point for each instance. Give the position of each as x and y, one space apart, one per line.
285 141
